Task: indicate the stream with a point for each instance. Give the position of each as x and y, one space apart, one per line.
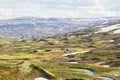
87 71
90 73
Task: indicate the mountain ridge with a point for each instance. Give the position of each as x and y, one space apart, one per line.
32 27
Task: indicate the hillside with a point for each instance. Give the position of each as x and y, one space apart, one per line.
88 54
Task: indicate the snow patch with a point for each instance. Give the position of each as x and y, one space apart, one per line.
116 31
73 62
110 28
41 78
74 53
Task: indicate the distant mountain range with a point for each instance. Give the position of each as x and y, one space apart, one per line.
31 27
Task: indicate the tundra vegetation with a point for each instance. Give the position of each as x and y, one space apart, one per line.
43 57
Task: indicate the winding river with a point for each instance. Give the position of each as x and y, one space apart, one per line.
90 73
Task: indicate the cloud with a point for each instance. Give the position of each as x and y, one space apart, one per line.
54 8
97 9
5 11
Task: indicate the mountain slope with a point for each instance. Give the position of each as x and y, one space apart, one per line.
78 55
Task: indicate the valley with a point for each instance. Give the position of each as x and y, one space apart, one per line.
87 54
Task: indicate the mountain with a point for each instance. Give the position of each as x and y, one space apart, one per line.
32 27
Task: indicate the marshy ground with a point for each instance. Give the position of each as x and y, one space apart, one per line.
86 58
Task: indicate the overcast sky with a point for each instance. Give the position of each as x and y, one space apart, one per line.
59 8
